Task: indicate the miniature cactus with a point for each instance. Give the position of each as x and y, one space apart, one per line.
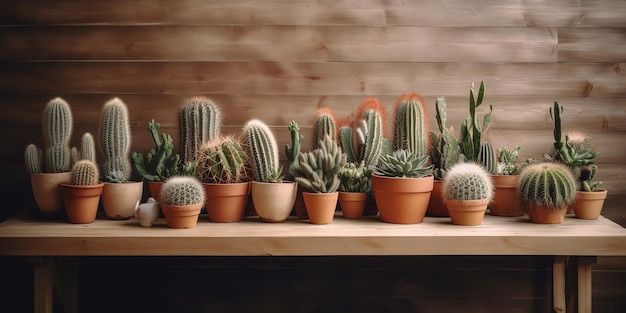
369 134
222 160
182 191
161 162
57 126
115 141
200 120
262 149
550 185
507 161
411 127
467 181
355 178
84 173
403 163
318 170
32 159
445 150
293 151
471 130
325 124
587 174
487 158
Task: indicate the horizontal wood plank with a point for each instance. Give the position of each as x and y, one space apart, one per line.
592 44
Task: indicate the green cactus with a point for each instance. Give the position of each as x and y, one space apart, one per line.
84 173
507 161
115 141
467 181
182 190
87 148
355 178
318 170
325 124
32 159
471 130
262 149
222 160
487 158
403 163
445 150
57 126
346 141
411 127
546 184
587 174
556 111
293 151
161 162
200 121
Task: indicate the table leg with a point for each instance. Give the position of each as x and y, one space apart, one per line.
52 275
558 284
584 283
44 285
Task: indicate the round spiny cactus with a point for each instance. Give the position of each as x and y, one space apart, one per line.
182 190
84 173
550 185
467 181
222 160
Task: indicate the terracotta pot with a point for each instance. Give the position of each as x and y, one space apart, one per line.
47 192
542 215
320 207
226 203
299 207
506 199
119 200
273 202
402 200
352 204
185 216
81 202
467 212
155 189
436 206
588 205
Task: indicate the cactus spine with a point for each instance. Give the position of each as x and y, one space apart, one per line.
325 124
318 170
115 141
293 151
84 173
445 150
262 150
222 161
200 120
32 159
471 130
369 134
467 181
550 185
57 126
182 190
411 127
487 158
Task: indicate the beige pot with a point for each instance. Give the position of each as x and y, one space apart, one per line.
588 205
119 200
402 200
352 204
81 202
506 199
467 212
273 202
47 192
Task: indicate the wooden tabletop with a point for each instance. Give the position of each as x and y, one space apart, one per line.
366 236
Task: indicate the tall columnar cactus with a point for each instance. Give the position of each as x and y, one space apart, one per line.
556 111
200 120
471 130
115 141
487 158
293 151
262 149
222 160
87 148
182 190
318 170
467 181
325 124
369 134
161 162
32 159
445 150
84 173
57 128
550 185
411 126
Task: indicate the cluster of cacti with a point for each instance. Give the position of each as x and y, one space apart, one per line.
507 161
487 158
200 120
369 134
161 162
547 184
115 141
325 124
467 181
587 174
84 173
411 125
445 150
471 130
262 149
403 163
355 178
182 190
293 151
318 170
222 160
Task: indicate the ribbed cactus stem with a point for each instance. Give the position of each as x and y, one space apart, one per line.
487 158
318 170
84 173
411 126
115 141
262 149
182 190
325 124
471 129
347 143
556 111
57 128
200 120
467 181
373 138
551 185
33 159
87 148
296 139
221 161
442 113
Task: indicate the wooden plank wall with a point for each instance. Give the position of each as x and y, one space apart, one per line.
282 60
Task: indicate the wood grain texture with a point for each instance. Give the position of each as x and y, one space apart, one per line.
592 44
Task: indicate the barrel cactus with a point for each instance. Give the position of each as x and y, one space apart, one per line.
262 150
222 160
200 120
84 173
325 124
549 185
115 141
487 158
403 163
467 181
318 170
445 150
182 191
411 125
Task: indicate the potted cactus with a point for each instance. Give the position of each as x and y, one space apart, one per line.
273 198
200 121
318 172
589 197
547 189
120 195
183 198
81 194
467 190
506 201
402 183
325 124
411 125
222 169
354 184
292 156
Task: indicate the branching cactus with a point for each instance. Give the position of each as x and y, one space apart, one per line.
84 173
262 149
161 162
467 181
32 159
293 151
325 124
318 170
507 161
57 127
200 120
87 151
222 160
115 141
369 131
487 158
550 185
471 129
411 126
182 191
355 178
445 150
